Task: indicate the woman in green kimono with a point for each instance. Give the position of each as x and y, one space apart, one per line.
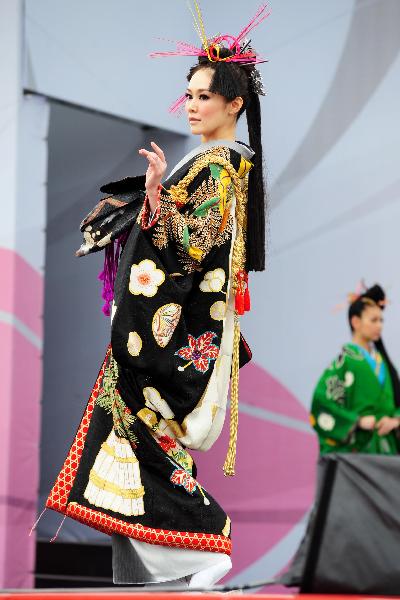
355 407
175 285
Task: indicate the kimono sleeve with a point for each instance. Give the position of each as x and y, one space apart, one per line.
113 215
201 223
330 416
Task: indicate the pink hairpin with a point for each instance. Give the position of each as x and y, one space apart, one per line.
210 46
351 297
177 107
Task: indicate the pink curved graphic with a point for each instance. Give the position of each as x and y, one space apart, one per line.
21 332
22 290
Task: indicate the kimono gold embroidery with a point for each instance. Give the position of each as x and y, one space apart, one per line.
115 489
111 452
207 223
164 323
176 428
148 417
205 195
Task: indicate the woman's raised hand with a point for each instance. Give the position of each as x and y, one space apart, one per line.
156 168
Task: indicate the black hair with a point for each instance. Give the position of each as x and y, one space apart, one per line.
232 80
375 296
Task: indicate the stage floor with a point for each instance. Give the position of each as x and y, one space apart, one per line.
125 594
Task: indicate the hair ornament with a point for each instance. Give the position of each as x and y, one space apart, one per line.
361 293
352 296
239 47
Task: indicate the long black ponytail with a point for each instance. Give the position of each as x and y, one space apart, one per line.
394 376
256 211
231 80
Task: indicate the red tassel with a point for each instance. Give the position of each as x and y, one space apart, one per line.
239 303
239 296
247 303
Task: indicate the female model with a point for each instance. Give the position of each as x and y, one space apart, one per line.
355 407
178 252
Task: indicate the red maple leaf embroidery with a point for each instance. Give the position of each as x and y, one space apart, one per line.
200 351
182 477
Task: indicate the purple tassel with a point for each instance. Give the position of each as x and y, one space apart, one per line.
109 272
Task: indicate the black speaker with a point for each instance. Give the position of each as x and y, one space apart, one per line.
352 541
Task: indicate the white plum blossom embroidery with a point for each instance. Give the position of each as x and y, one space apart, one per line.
213 281
218 310
326 422
145 278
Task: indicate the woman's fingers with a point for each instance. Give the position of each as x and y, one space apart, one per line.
148 153
158 151
385 425
151 157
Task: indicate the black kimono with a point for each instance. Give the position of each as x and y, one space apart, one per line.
163 385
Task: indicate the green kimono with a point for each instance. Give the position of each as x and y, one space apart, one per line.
352 387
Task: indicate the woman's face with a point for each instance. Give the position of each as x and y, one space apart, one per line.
209 114
370 324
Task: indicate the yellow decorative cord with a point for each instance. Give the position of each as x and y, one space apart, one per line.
229 465
179 194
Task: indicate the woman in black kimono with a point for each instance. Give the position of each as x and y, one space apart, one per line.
175 280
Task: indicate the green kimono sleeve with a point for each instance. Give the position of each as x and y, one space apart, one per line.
331 416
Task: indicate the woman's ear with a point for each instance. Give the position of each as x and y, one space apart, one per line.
355 322
236 105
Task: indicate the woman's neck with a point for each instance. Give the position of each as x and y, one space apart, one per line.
223 133
360 340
